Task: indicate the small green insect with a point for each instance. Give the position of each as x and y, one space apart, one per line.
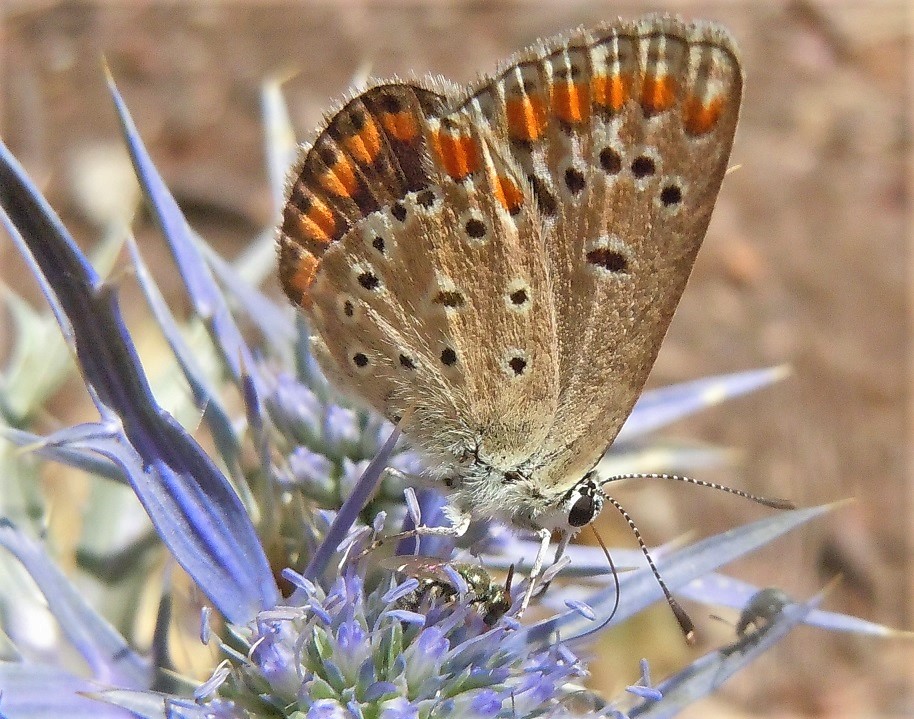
491 599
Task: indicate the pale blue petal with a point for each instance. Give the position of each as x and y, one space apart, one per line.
153 705
279 139
275 321
209 302
349 512
660 407
206 397
57 449
101 645
726 591
35 691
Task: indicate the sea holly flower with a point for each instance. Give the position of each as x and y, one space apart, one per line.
277 525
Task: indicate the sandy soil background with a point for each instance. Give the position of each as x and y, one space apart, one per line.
805 262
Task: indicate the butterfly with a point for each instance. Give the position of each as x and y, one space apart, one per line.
495 266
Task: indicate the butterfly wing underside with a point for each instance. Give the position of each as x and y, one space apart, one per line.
506 261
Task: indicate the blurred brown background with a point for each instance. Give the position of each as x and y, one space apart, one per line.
806 260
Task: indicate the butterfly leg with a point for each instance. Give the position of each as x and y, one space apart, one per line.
562 546
545 536
550 573
557 565
459 524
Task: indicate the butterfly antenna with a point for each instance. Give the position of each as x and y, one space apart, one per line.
612 566
773 502
688 628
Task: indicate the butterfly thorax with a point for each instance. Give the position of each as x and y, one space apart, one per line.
525 496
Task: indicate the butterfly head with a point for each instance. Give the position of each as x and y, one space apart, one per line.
583 502
566 512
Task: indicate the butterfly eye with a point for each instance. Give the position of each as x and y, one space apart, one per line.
582 511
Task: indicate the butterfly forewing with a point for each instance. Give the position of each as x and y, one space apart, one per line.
624 134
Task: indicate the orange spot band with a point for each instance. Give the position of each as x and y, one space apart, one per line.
610 91
526 117
340 179
303 276
459 154
700 118
318 223
365 145
571 102
400 125
658 93
508 193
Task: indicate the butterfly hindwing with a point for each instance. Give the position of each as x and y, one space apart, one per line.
369 155
437 299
